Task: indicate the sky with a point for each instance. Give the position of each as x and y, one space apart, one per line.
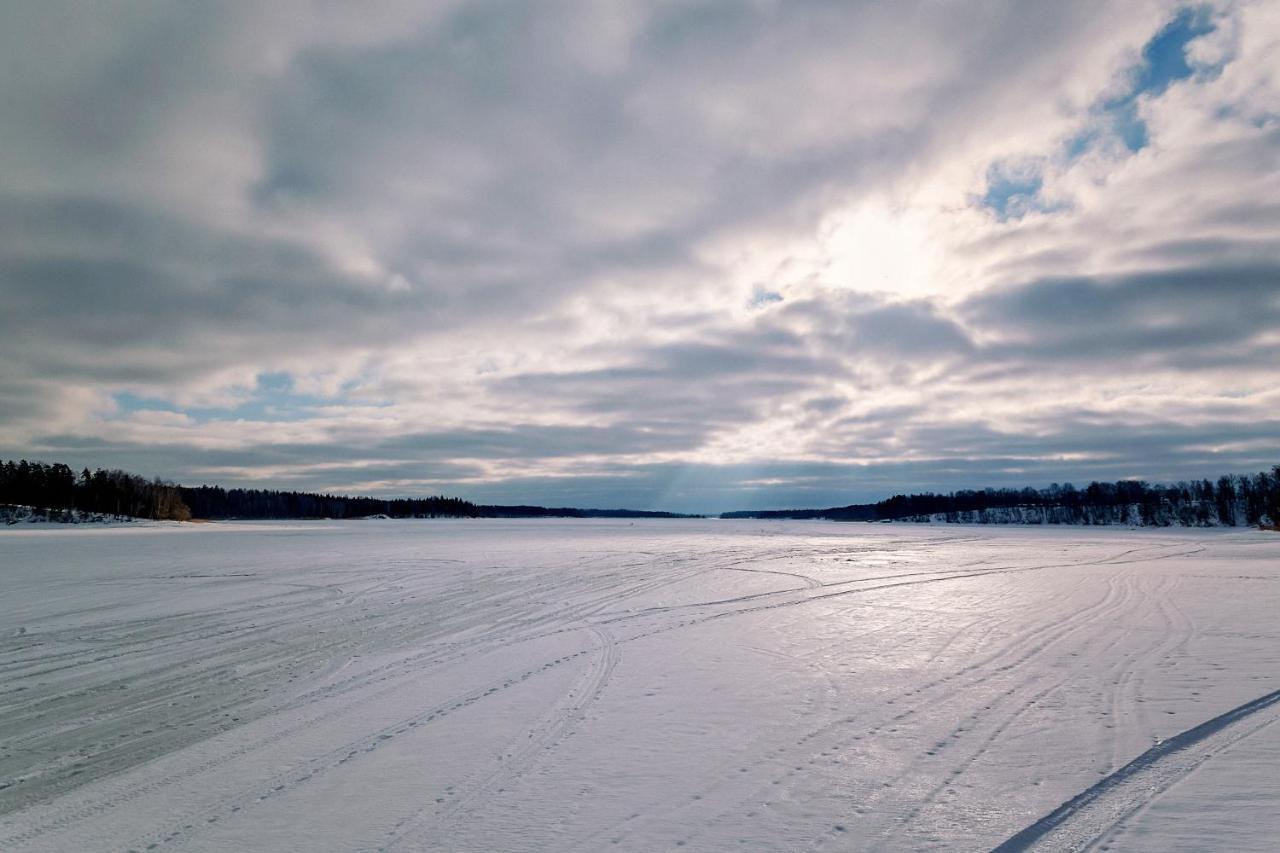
695 256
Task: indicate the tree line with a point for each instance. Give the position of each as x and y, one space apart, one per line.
215 502
1232 500
56 488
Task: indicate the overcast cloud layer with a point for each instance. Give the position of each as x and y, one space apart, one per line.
694 256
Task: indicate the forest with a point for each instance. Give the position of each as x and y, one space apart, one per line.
57 489
1233 500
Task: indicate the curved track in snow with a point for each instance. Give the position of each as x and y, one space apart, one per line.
1086 818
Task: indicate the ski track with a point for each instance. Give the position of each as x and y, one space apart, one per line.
1084 820
88 701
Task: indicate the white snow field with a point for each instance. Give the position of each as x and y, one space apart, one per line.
656 685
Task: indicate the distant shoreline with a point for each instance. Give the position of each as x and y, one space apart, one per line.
55 493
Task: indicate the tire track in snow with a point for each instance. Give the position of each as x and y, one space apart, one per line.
792 598
1131 591
295 777
268 788
1082 821
556 726
352 693
1175 633
1015 699
809 582
1017 651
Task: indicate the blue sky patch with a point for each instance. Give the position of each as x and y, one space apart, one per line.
1164 62
273 398
1013 190
761 296
1164 58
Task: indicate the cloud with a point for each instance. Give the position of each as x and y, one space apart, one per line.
1177 318
705 255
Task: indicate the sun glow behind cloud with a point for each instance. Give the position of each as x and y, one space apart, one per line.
875 248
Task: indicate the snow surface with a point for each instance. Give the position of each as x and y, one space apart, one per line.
649 685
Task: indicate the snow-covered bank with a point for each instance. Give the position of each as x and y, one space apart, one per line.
583 685
1127 516
14 515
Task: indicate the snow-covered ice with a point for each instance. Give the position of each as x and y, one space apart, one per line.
648 685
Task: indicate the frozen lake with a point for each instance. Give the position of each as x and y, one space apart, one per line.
606 685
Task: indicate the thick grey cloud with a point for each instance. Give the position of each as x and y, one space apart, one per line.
696 255
1182 317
